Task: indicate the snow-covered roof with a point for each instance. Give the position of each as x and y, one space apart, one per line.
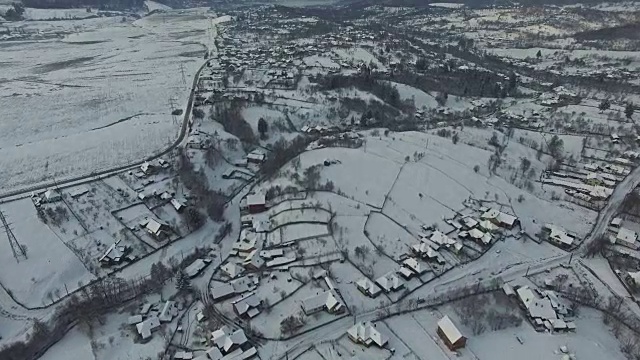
325 299
246 303
628 237
476 234
144 328
270 254
558 235
132 320
282 260
389 282
368 287
195 267
154 226
449 329
487 225
526 296
253 259
169 310
414 265
225 340
256 199
221 291
183 355
178 205
366 333
469 221
440 238
231 269
542 308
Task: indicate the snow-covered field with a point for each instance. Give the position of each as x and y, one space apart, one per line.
99 98
50 264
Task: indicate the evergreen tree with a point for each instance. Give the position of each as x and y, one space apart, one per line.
263 127
604 105
629 110
183 283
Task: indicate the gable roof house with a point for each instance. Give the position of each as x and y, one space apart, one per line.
326 300
415 266
248 305
157 229
368 288
450 334
558 236
426 251
390 282
501 219
227 340
367 334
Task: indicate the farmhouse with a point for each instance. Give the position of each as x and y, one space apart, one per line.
450 334
415 266
114 254
368 288
366 333
157 229
146 327
499 218
626 237
227 340
256 203
557 236
389 282
327 300
247 306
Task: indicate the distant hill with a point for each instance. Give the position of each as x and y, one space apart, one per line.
629 31
100 4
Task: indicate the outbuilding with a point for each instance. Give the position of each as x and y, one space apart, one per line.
450 334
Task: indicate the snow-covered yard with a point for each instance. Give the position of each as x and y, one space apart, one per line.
50 264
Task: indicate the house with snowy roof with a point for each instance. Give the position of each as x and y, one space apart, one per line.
450 335
367 334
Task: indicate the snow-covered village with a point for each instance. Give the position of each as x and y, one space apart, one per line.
319 180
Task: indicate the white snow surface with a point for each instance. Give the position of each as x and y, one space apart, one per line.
100 98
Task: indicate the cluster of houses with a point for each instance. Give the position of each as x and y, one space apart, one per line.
151 317
592 182
544 309
228 344
149 168
387 283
